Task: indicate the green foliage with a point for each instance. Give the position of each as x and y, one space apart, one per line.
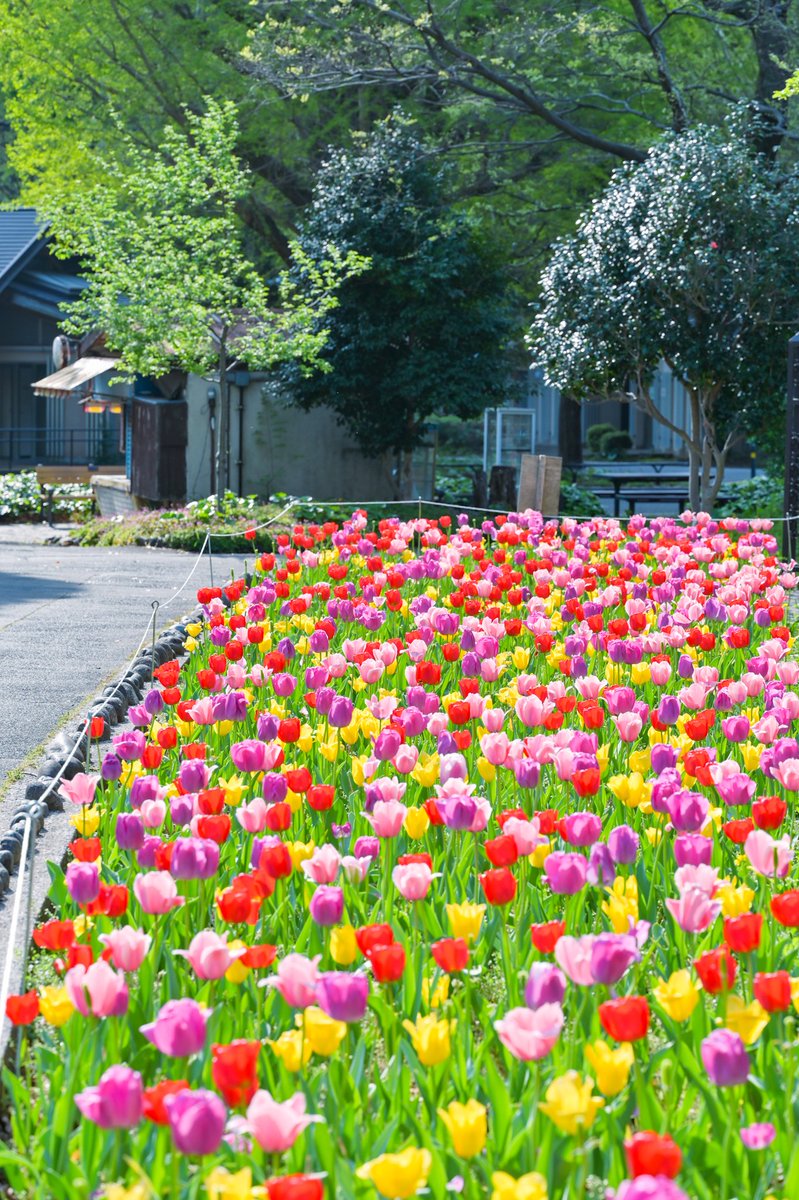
186 528
576 501
594 435
424 330
614 443
163 254
691 257
762 496
21 498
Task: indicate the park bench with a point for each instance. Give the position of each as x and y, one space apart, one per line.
53 480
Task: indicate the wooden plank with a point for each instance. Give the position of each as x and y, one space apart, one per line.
539 483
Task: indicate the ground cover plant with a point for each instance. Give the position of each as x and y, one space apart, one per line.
453 859
21 498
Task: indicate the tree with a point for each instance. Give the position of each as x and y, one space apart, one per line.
691 257
425 328
168 281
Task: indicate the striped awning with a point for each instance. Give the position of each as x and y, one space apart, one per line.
65 381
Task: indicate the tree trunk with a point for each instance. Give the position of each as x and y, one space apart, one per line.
570 442
694 457
502 488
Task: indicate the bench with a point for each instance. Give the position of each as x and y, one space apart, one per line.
52 481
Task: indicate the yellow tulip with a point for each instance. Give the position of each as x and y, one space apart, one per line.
735 901
603 757
426 770
526 1187
678 995
82 924
467 1125
611 1065
622 903
416 823
294 800
237 972
138 1191
194 629
747 1020
55 1005
465 920
640 673
86 821
223 1185
540 854
398 1175
288 1048
299 852
430 1039
234 788
486 769
440 992
521 658
322 1033
343 946
751 755
570 1103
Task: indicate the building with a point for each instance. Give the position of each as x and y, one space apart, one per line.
45 427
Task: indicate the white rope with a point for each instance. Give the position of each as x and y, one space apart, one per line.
12 933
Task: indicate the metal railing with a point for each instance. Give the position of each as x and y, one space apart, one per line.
22 447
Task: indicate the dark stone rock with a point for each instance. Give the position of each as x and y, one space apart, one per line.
13 845
35 789
50 768
5 880
6 859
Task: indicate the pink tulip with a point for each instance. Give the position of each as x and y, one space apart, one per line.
116 1102
323 865
157 893
80 789
705 878
386 818
526 834
573 956
274 1125
209 954
128 947
694 911
413 880
202 711
787 772
529 1034
769 856
252 816
97 990
494 719
629 725
153 813
495 747
295 979
406 759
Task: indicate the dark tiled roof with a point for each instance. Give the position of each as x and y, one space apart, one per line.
45 292
20 231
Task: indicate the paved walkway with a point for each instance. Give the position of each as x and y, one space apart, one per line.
69 618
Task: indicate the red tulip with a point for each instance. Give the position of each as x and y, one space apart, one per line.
450 955
738 831
217 829
368 937
54 935
785 907
545 936
625 1019
650 1153
501 851
742 934
86 849
154 1098
388 962
295 1187
259 957
320 797
773 990
21 1010
234 1071
769 813
211 801
299 779
499 885
289 729
709 967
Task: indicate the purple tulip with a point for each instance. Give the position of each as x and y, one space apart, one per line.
194 858
366 847
623 844
566 873
196 1120
582 828
267 727
111 768
688 810
130 745
342 996
154 702
248 756
146 856
274 787
546 984
668 710
230 706
735 729
693 850
129 831
83 882
611 955
341 711
116 1102
193 775
327 905
387 743
725 1058
179 1028
144 787
663 756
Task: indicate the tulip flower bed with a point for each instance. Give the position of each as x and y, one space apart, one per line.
453 859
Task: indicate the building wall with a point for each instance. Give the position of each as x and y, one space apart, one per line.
282 450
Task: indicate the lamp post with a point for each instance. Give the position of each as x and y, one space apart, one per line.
791 501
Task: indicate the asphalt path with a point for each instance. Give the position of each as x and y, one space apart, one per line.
71 618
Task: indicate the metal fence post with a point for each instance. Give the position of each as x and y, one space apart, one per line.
791 501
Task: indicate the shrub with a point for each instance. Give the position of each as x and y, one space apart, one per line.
762 496
614 443
594 435
576 501
21 498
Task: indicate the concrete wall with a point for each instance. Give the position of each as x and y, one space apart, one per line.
283 450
